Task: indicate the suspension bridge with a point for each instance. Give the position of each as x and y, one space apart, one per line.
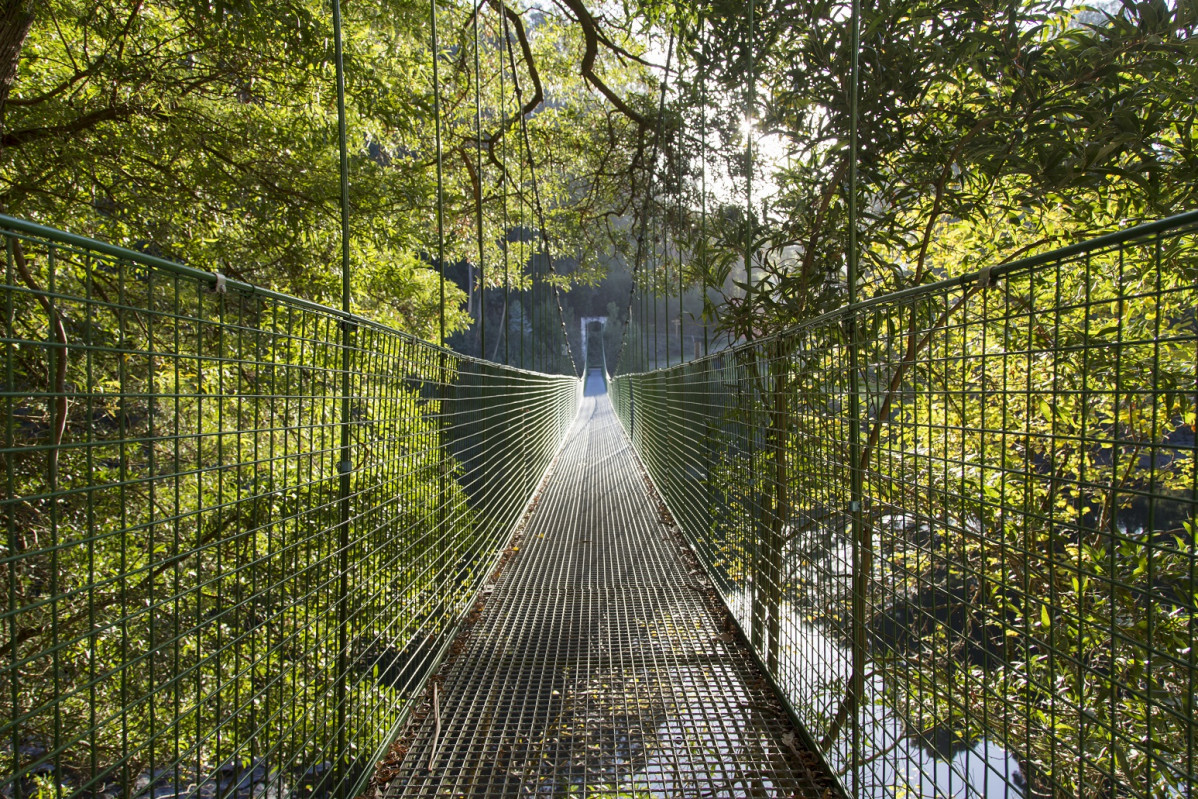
939 542
258 546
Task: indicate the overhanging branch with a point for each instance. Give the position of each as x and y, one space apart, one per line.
592 38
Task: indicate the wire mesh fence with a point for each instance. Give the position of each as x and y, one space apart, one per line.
209 592
1005 607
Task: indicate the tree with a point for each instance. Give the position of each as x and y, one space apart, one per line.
998 130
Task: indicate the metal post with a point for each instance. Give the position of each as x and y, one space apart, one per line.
758 625
751 101
862 551
442 365
779 427
344 464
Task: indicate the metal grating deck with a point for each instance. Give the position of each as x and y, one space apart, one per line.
600 666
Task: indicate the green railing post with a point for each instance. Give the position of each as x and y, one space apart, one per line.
750 108
10 523
862 541
344 463
752 426
345 471
444 518
779 386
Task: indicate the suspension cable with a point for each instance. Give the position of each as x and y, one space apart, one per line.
507 322
505 54
679 240
478 146
665 265
527 293
656 264
750 108
538 208
678 246
703 188
665 269
440 168
529 311
640 240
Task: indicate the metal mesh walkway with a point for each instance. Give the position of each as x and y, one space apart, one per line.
600 666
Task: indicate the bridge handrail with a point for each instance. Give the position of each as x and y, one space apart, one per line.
38 232
1010 598
201 596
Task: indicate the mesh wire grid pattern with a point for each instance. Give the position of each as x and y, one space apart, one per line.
199 599
1007 606
599 665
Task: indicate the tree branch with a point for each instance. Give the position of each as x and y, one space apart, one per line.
592 38
17 138
538 94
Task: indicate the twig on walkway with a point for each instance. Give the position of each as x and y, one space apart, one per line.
432 758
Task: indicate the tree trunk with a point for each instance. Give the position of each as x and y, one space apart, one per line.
16 16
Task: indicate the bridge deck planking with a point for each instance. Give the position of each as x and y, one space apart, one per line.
600 666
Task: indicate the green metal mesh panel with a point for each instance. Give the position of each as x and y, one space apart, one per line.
184 612
1025 558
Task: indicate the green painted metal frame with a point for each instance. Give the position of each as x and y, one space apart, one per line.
989 572
207 592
